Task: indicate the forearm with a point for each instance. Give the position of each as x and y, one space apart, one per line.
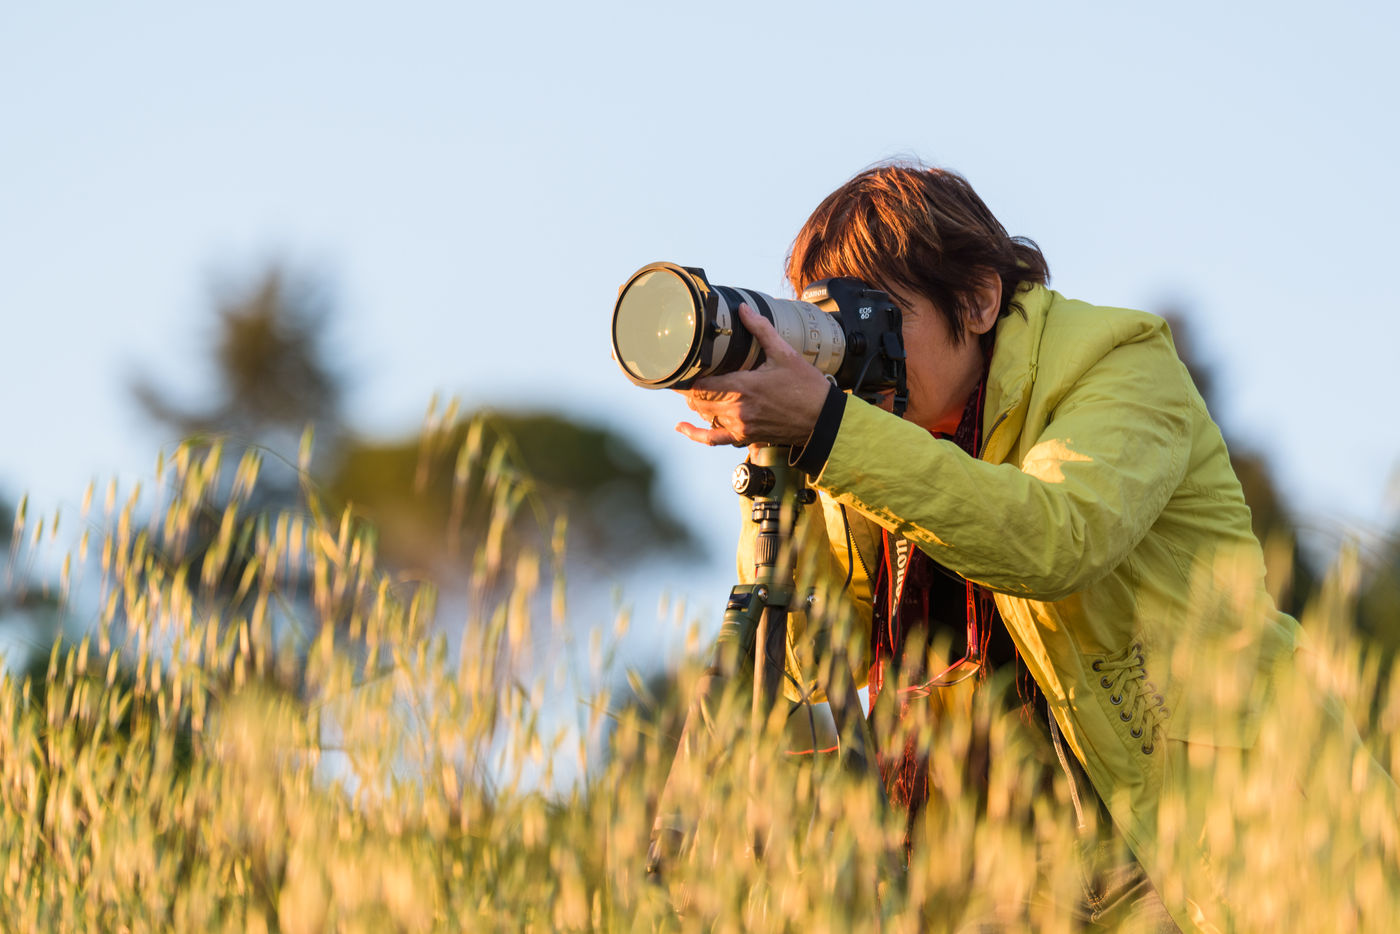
1043 529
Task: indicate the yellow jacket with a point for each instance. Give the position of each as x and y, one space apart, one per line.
1104 515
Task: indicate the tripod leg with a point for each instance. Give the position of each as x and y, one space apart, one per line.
732 656
857 742
672 826
770 663
858 759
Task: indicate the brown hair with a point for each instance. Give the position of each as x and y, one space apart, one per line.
917 229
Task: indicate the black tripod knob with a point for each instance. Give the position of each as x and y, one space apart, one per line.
752 480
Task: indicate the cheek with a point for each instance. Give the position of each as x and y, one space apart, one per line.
920 360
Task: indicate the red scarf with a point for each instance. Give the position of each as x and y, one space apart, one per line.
924 597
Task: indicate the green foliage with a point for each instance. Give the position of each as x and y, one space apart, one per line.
1292 581
445 485
1378 604
29 606
270 363
274 376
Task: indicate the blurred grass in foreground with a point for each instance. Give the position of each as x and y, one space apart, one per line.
279 736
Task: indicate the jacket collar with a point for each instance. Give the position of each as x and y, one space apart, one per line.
1015 357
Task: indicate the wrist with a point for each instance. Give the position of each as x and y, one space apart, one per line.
810 455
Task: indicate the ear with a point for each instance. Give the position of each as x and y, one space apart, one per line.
986 302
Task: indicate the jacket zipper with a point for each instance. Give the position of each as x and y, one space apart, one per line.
991 433
855 549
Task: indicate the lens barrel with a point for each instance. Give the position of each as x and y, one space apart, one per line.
670 326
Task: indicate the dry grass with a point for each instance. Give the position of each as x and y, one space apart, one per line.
279 737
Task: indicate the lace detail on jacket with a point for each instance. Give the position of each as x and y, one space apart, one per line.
1137 699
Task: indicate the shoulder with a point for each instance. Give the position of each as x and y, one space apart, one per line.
1055 351
1079 331
1049 337
1073 339
1118 363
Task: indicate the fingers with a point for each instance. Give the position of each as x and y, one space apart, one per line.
775 403
718 430
708 409
710 436
768 338
726 387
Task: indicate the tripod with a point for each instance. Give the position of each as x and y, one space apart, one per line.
752 645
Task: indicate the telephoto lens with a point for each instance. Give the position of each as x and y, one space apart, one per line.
670 326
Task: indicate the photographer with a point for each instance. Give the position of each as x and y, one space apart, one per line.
1056 458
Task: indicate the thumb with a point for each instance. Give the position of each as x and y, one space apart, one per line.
763 331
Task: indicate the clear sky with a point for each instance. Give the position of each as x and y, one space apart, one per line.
476 181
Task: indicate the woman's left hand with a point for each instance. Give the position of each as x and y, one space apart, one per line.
775 403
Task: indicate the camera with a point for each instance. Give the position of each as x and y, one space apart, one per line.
670 326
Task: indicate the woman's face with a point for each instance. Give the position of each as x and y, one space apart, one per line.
941 374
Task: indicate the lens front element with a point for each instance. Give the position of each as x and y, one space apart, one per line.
654 326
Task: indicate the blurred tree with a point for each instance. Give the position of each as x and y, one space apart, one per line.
1293 579
1290 577
422 493
30 612
272 370
1378 602
269 359
273 378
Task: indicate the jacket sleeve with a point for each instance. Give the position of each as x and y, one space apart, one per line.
1088 488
